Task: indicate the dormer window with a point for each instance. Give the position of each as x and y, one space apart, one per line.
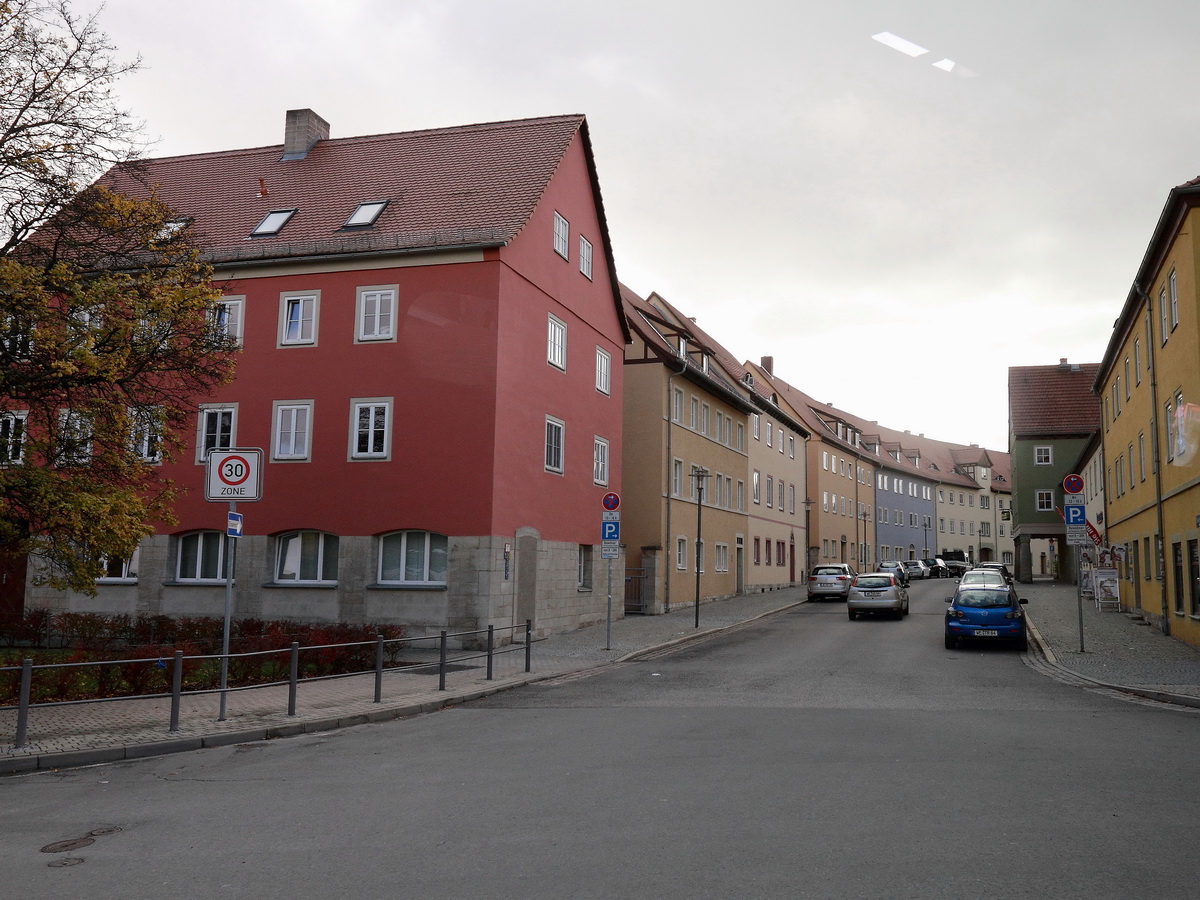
272 223
365 214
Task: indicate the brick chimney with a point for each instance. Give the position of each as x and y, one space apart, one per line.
301 132
768 364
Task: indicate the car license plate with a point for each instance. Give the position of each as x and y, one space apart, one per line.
986 632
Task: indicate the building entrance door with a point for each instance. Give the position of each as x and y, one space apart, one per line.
12 585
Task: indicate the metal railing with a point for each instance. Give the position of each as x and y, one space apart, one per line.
445 661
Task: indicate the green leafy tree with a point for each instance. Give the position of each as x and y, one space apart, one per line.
107 331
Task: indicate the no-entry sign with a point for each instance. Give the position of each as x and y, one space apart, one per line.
234 475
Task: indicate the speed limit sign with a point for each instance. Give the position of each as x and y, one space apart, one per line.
234 475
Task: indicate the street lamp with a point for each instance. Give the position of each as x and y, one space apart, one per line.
808 534
699 473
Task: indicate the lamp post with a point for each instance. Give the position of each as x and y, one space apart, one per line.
808 534
699 473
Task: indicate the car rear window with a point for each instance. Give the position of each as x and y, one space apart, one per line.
982 599
873 581
828 570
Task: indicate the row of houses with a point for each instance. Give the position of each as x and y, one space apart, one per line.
450 386
1129 427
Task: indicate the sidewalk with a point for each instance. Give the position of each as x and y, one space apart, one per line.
65 736
1119 653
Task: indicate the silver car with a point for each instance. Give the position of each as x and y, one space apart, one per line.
877 592
916 568
830 580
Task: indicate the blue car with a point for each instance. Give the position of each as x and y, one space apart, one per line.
986 612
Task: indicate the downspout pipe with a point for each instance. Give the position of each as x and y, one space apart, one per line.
1156 455
669 543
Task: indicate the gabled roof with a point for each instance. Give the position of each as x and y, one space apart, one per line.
660 326
468 186
1053 401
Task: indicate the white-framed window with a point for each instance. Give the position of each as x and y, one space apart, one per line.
704 414
556 343
677 405
12 436
741 436
791 446
1174 292
694 414
585 256
370 428
145 433
941 524
792 499
741 495
677 477
554 444
770 433
1045 501
413 557
770 491
780 503
227 318
681 553
721 557
600 461
1162 313
298 319
375 313
562 234
756 426
365 214
307 557
293 424
272 222
73 444
200 556
755 488
603 370
215 429
120 569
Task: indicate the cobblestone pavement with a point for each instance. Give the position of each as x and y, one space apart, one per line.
1119 651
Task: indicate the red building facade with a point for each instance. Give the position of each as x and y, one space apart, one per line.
431 335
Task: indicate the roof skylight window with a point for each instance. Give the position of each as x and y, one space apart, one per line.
272 222
366 214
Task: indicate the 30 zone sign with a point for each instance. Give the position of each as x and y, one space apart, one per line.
233 475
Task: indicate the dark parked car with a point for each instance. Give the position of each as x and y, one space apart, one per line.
986 612
831 580
937 568
957 567
999 567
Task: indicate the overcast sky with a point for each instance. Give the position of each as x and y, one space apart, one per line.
894 230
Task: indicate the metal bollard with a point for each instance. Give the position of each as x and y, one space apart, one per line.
293 678
379 668
23 702
491 644
442 664
176 691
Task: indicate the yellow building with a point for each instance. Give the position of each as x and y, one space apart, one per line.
686 473
1147 382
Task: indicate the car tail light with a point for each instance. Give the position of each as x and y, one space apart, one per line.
812 577
843 578
1014 614
953 613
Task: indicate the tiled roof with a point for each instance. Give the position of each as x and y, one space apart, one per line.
1053 401
472 185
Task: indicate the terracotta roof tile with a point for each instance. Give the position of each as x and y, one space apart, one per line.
471 185
1053 400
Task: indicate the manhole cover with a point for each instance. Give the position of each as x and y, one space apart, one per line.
64 846
103 830
68 861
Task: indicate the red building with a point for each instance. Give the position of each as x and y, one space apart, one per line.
429 323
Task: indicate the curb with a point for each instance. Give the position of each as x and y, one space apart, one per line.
1048 657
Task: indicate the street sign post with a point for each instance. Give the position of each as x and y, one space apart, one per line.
610 548
1073 484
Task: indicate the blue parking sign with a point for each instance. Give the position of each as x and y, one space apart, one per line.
1075 514
610 531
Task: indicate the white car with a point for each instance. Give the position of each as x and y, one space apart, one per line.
916 568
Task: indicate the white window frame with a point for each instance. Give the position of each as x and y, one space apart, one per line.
227 317
599 461
12 436
300 329
556 342
585 257
376 408
145 434
375 313
428 572
77 428
291 429
681 549
676 477
1044 501
214 410
562 236
603 371
721 559
327 545
206 542
554 453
